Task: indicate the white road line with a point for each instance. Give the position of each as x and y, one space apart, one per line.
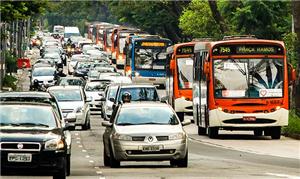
283 175
78 142
83 150
101 177
87 156
78 138
91 161
76 134
80 146
99 172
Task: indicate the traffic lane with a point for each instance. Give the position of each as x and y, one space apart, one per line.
201 156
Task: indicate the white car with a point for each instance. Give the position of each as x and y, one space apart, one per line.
72 63
44 75
73 102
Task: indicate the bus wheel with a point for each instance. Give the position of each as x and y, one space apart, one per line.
258 132
201 130
276 132
213 132
180 116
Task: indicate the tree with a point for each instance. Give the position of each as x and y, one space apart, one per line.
217 16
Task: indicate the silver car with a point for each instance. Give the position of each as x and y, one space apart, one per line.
141 131
73 103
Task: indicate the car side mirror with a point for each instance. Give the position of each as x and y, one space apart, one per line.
69 127
164 99
106 124
186 122
112 99
292 74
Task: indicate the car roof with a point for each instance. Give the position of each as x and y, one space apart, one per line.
71 77
39 104
64 87
28 94
135 104
136 86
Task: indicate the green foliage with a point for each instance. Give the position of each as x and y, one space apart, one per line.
10 81
294 124
10 62
290 40
12 10
197 21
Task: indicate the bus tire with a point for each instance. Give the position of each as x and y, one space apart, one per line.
258 132
276 132
201 130
180 116
213 132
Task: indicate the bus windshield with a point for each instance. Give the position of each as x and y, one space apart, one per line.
150 58
185 72
248 78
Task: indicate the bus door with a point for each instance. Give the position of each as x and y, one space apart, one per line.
169 74
200 90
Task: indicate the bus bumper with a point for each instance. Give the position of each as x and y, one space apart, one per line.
183 105
150 80
218 118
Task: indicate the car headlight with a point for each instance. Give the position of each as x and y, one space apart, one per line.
120 58
68 49
177 136
117 136
79 109
54 144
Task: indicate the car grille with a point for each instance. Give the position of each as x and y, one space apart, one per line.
140 152
138 138
20 146
162 138
67 110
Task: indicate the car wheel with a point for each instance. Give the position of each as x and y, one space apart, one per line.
213 132
182 163
276 132
201 130
180 116
61 174
86 125
258 132
113 162
106 158
68 164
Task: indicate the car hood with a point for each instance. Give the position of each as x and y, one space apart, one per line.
29 135
94 94
70 104
149 129
43 78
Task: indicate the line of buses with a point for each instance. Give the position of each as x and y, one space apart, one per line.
238 83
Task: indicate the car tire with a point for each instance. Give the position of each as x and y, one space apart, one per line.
62 173
113 162
258 132
106 158
180 116
276 132
68 164
86 125
202 131
213 132
182 163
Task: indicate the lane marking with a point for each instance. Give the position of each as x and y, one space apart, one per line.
78 142
87 156
283 175
80 146
83 150
99 172
78 138
76 134
91 161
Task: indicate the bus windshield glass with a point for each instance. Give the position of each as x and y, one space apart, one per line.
122 42
150 58
248 78
185 72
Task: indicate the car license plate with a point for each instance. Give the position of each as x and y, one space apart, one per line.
249 118
19 157
150 148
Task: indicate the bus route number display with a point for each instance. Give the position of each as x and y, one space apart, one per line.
185 50
153 44
248 50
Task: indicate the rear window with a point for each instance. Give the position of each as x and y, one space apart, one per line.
140 94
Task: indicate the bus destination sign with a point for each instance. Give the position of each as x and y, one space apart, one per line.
185 50
248 50
153 44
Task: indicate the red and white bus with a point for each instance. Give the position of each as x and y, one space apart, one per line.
241 84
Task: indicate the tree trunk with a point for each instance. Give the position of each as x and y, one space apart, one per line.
217 16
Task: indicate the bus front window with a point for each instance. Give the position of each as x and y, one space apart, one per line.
185 72
248 78
150 58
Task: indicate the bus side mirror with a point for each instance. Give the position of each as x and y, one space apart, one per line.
292 74
206 68
172 64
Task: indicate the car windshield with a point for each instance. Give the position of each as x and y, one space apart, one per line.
52 55
185 72
83 65
27 116
122 42
96 86
72 82
146 116
150 58
43 72
248 78
140 94
67 95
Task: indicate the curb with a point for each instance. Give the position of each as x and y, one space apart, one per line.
294 136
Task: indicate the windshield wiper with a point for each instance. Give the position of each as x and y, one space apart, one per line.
125 124
151 123
33 124
8 124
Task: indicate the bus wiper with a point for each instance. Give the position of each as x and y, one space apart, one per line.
239 68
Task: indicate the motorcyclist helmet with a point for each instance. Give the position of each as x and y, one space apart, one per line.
126 97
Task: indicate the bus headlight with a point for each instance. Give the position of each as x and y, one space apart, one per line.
278 107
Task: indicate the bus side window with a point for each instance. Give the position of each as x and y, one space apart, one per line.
197 66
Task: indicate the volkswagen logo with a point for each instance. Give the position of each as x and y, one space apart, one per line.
20 146
150 139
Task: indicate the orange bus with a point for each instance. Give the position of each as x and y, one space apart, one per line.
99 37
179 78
241 84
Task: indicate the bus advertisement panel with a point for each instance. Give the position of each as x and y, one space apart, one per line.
179 74
241 85
148 60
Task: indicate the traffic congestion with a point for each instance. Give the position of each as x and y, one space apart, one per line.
135 98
